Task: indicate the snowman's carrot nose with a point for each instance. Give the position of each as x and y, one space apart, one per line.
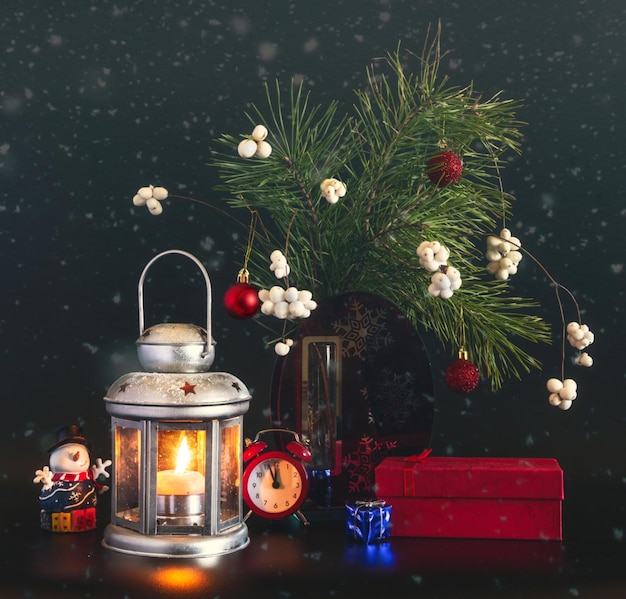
76 456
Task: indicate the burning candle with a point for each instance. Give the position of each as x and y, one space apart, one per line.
180 481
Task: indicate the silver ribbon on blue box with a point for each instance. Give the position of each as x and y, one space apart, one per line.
368 521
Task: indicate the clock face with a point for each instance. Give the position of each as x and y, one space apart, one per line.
274 484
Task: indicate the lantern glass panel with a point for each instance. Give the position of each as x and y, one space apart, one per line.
230 470
181 466
128 473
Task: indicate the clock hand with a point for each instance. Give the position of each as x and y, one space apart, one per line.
276 484
274 475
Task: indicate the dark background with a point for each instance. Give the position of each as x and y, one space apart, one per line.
100 98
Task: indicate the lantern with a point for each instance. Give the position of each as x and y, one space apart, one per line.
177 445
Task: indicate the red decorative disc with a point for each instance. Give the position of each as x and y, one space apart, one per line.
444 168
462 376
242 300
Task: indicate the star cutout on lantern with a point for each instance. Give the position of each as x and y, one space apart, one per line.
123 387
236 386
188 388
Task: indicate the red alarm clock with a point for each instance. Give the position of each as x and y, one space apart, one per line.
275 482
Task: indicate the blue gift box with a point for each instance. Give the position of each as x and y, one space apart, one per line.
368 521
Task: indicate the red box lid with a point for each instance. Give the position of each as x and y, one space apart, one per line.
469 477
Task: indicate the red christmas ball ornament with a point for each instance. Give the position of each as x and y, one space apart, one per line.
242 299
462 375
444 168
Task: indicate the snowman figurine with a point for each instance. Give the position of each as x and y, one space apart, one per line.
70 486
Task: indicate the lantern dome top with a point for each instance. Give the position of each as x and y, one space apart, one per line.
173 333
177 389
175 347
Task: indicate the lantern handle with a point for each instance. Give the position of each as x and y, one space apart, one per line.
206 280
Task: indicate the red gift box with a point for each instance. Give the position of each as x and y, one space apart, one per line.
473 498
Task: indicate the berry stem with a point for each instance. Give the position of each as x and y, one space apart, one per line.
557 288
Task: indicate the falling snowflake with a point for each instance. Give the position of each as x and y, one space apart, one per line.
362 328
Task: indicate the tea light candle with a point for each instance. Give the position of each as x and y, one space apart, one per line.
181 481
172 482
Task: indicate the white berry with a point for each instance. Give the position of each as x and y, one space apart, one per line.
276 255
154 206
247 148
267 307
159 193
554 399
263 149
554 385
440 281
305 296
584 360
282 272
145 192
259 133
296 309
291 294
276 294
281 310
281 349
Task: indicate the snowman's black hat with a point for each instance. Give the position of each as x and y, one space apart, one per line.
69 433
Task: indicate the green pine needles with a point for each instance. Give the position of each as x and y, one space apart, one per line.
367 240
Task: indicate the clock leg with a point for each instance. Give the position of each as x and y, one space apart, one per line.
301 517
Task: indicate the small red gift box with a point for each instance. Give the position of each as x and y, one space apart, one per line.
477 498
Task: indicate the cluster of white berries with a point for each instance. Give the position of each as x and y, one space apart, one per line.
290 303
579 335
433 256
332 190
562 392
285 304
444 284
503 254
279 264
255 145
151 197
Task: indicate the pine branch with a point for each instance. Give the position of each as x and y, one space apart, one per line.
368 240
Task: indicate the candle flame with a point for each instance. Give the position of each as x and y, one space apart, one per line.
183 457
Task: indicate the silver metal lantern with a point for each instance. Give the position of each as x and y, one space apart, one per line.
177 445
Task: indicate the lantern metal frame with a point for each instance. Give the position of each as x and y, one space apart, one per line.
142 406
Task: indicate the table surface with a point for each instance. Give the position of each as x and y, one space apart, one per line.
288 560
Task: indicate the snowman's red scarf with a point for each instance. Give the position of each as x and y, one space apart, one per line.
73 476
